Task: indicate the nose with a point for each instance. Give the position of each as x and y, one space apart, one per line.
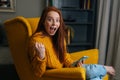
54 22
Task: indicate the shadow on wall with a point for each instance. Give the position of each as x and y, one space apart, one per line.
8 72
3 38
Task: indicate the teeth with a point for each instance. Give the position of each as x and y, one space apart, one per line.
52 28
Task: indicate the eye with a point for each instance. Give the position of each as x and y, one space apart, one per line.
57 20
49 19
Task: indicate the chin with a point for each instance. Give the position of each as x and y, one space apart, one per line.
51 34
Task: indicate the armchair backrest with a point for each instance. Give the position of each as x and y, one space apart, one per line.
18 31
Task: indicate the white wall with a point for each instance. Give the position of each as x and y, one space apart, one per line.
26 8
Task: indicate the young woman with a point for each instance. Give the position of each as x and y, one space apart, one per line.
47 49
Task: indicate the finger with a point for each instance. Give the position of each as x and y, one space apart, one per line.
41 45
36 45
83 61
79 64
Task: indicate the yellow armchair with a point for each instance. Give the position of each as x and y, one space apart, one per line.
18 31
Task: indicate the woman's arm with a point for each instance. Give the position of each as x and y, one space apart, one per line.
68 61
38 62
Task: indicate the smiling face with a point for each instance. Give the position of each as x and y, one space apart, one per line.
52 22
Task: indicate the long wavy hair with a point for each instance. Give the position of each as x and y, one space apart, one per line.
59 37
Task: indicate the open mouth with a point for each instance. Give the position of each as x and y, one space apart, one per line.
52 28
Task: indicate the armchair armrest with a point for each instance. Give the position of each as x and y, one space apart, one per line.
75 73
92 53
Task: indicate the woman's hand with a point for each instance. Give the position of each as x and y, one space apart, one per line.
41 50
80 63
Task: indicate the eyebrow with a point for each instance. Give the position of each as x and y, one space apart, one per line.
52 17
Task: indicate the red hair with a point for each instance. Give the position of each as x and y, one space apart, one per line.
59 37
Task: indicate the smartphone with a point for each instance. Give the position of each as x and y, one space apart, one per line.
81 59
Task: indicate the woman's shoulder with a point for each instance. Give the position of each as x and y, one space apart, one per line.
39 36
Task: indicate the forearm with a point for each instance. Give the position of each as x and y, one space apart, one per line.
38 66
